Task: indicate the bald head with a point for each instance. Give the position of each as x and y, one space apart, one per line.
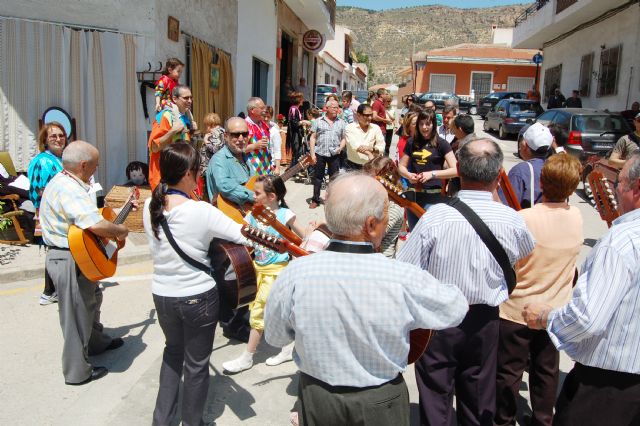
352 198
480 161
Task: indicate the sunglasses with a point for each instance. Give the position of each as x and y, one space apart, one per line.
236 135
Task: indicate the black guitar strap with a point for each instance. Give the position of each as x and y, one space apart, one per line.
191 261
488 239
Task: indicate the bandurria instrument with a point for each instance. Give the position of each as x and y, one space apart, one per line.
265 215
418 339
237 213
97 257
603 197
398 195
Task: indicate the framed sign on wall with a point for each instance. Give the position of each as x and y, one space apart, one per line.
173 30
214 78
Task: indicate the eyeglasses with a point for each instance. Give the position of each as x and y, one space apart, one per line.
186 97
236 135
55 137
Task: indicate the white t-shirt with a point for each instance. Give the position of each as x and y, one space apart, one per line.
193 225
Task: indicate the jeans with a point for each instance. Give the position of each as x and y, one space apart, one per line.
189 324
321 161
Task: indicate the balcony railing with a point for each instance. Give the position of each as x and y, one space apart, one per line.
563 4
531 10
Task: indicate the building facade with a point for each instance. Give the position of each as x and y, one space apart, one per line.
589 45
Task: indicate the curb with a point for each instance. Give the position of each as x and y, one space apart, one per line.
19 273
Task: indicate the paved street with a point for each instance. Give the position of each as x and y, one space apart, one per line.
32 388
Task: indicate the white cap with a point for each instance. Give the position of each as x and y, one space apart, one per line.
537 136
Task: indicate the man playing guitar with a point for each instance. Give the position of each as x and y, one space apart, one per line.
66 202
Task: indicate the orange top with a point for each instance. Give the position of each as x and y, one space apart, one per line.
159 129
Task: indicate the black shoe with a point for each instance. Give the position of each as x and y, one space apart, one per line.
96 373
242 336
115 344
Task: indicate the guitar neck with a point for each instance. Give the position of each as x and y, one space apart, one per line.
292 171
508 192
124 212
295 250
286 232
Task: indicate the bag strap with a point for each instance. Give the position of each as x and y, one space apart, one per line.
191 261
531 185
489 239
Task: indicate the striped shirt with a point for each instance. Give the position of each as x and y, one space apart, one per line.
350 314
599 327
66 201
445 244
328 135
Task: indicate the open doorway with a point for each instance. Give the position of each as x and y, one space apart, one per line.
286 72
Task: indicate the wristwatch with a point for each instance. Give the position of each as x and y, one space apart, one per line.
433 175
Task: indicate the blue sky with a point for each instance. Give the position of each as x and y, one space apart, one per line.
391 4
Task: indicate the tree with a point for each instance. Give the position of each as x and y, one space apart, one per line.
364 58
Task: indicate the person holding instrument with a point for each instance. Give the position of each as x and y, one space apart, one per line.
185 297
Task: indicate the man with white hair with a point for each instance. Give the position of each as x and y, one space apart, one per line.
65 202
257 152
525 176
349 311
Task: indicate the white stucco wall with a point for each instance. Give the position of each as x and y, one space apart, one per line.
620 29
257 33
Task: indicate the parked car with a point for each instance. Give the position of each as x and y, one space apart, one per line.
322 90
591 132
488 102
440 98
511 115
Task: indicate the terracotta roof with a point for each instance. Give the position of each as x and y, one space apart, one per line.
468 50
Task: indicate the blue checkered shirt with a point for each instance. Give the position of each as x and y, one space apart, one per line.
328 136
66 201
600 326
445 244
350 314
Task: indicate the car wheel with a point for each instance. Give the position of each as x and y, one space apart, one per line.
473 110
485 126
502 134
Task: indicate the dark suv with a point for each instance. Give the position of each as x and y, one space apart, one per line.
590 131
488 102
439 99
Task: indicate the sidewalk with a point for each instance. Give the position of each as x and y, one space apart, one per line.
18 263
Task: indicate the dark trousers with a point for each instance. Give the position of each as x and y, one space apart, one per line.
387 141
189 324
460 360
322 404
351 166
517 344
593 396
333 163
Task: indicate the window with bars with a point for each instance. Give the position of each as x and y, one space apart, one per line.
586 69
552 80
609 70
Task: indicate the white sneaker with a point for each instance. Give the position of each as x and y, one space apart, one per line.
239 364
48 300
286 354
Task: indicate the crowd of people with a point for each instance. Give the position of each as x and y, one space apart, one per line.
500 287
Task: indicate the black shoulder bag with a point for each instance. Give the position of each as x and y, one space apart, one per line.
488 239
191 261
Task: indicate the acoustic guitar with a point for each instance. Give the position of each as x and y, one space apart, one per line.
603 196
234 272
236 212
418 338
505 184
97 257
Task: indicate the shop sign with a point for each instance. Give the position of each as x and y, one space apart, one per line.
312 40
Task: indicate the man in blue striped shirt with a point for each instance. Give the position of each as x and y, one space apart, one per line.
599 327
349 311
463 359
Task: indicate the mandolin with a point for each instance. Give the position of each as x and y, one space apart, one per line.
268 217
236 212
399 197
97 257
603 197
505 184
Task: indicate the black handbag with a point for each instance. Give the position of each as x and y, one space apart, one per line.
488 239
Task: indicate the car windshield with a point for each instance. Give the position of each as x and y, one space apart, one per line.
325 89
494 95
600 123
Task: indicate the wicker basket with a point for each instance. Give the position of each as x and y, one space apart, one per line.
119 195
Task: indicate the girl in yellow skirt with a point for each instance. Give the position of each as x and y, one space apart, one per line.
269 191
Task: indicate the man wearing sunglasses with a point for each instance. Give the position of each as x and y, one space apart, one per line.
364 140
167 129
